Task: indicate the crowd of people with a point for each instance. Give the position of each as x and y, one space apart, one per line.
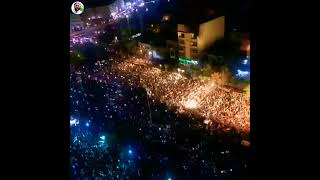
222 107
122 133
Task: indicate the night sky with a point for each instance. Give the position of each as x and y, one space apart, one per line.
236 11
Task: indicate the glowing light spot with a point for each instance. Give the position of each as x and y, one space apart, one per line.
103 137
207 121
191 104
74 122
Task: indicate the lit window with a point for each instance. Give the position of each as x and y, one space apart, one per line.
180 34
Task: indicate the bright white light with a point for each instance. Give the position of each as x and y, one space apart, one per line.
103 137
194 62
169 178
150 53
74 122
147 9
87 124
242 73
191 104
207 121
142 4
113 14
245 61
130 152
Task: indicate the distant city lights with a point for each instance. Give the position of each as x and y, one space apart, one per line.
142 4
136 35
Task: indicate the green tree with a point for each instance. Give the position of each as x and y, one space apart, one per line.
76 58
207 70
128 46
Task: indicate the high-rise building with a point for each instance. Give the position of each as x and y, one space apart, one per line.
193 40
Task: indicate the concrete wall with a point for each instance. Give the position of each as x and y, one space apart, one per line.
209 32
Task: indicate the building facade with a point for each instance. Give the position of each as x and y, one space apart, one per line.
193 41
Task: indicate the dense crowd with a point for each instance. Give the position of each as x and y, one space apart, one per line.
222 107
119 132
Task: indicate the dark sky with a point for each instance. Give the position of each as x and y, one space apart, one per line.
92 3
236 11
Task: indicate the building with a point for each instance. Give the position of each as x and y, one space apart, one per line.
193 40
245 46
76 23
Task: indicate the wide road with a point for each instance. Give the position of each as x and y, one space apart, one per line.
90 30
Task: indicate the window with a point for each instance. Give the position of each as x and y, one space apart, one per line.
181 42
194 43
194 51
181 48
181 34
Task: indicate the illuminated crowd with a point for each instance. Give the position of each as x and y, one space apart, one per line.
126 9
222 107
117 132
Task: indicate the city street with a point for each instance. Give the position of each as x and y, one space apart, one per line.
122 133
132 118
